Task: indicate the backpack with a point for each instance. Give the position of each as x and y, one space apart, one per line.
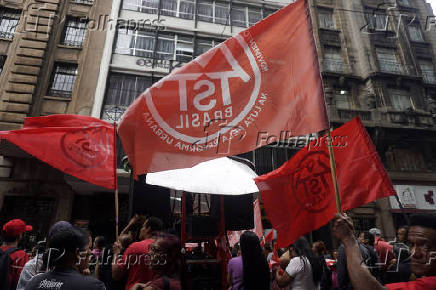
4 267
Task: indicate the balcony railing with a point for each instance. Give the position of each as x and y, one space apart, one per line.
391 67
429 78
332 65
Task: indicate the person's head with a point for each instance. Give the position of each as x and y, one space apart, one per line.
319 248
13 231
335 254
422 239
255 267
66 247
99 242
375 232
166 255
402 234
301 248
125 240
366 238
151 227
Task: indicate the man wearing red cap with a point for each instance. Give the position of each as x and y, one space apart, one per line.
12 234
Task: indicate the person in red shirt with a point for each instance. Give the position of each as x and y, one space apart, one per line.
136 261
384 249
12 233
422 239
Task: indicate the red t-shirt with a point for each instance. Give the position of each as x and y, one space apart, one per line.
384 251
136 262
18 259
420 284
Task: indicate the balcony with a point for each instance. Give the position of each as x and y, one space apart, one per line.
344 115
411 118
337 66
429 78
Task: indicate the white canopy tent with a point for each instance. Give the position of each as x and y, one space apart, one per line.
218 176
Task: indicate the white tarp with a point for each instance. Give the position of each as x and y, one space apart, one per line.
217 176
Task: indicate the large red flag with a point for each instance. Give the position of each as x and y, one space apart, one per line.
259 86
299 197
81 146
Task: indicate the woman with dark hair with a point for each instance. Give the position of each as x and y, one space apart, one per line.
304 271
166 263
250 270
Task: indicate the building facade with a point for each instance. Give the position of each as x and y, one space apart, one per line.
50 52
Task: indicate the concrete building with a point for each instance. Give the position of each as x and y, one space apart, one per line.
50 52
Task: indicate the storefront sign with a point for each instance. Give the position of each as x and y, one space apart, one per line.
414 196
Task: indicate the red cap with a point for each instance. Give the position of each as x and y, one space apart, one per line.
15 228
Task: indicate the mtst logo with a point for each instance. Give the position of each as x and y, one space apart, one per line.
208 98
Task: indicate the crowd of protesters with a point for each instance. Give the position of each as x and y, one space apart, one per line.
146 256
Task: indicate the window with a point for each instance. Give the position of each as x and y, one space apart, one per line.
401 100
90 2
342 99
165 46
427 70
404 3
62 80
216 12
207 10
376 20
74 32
2 62
184 48
415 32
204 44
169 7
122 90
9 19
135 42
254 15
388 60
169 46
222 13
187 9
332 58
145 6
325 18
239 16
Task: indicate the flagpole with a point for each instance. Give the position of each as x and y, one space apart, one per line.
116 182
333 172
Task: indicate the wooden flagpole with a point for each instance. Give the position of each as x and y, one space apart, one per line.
333 171
117 206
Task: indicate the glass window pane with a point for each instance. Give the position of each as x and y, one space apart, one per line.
239 16
203 45
401 100
149 6
254 15
9 19
62 81
74 32
186 10
205 11
325 18
184 48
169 7
388 60
221 13
134 5
165 46
415 33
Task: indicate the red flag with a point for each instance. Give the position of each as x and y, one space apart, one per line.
81 146
299 196
255 88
